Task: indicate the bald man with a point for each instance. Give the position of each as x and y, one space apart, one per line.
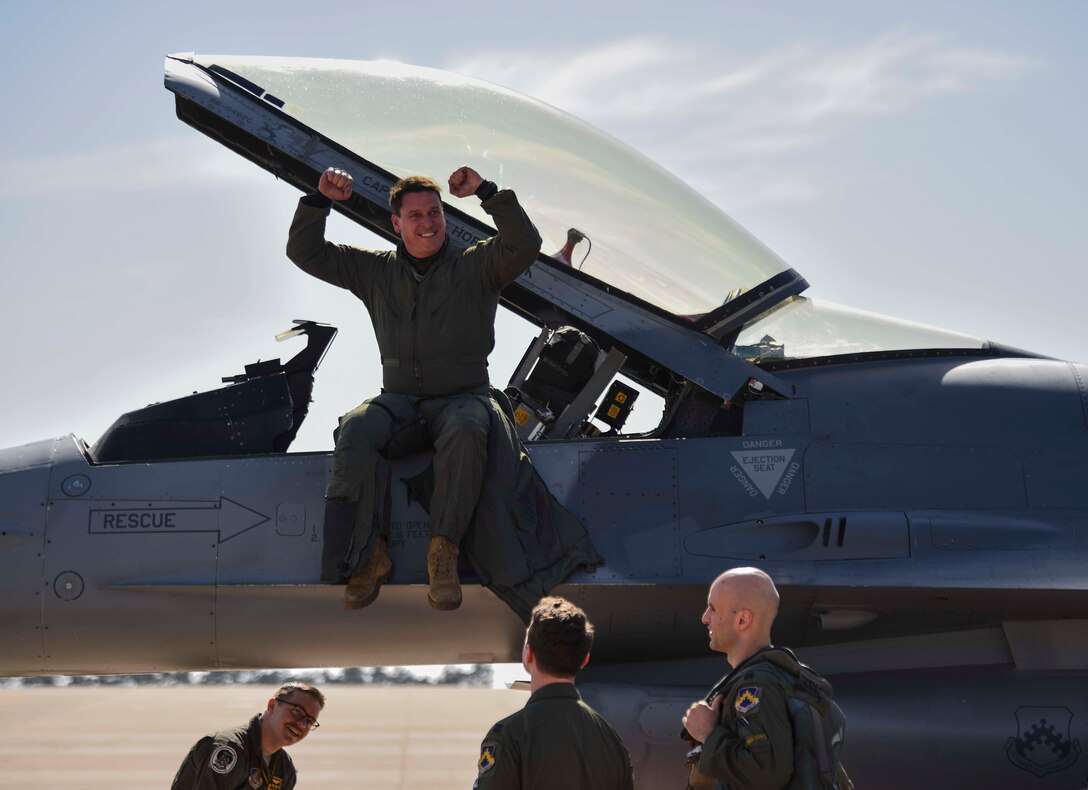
743 731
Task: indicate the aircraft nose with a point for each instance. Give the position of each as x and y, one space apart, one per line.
24 488
24 482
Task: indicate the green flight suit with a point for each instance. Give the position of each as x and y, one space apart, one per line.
434 332
556 742
757 744
435 327
231 759
522 542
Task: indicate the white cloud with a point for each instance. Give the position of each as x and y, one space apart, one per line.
696 108
693 107
170 163
896 73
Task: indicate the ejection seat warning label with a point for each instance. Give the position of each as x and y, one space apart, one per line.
764 467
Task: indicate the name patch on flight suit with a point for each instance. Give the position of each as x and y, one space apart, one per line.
747 700
223 759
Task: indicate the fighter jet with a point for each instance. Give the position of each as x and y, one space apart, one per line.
918 495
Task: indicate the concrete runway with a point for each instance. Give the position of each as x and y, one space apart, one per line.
112 738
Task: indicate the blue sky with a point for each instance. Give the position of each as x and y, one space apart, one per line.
923 160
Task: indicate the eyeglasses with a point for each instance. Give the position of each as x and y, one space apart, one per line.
300 714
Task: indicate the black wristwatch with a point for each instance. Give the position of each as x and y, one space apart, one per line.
486 190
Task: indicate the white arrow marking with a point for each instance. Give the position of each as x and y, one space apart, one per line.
229 518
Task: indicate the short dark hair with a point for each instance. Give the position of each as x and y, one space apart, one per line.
560 636
291 686
411 184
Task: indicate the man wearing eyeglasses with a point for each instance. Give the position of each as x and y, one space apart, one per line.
253 756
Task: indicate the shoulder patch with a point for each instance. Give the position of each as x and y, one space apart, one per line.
223 759
487 758
747 700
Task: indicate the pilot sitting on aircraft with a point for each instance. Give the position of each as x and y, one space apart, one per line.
433 307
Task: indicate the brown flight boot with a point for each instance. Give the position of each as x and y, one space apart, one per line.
445 590
364 584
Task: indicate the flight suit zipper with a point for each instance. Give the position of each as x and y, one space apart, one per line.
415 338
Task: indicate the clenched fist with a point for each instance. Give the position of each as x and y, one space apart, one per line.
702 718
335 184
464 181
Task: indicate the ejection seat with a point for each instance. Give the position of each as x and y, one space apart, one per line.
259 412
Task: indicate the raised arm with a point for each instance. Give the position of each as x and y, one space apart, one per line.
514 248
307 248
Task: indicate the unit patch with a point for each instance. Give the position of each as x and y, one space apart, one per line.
1043 743
487 758
255 778
747 700
224 758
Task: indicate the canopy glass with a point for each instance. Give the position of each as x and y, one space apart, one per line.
648 234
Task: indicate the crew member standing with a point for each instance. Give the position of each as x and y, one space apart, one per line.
556 742
252 757
744 731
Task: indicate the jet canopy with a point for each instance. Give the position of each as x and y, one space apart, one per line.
649 234
635 229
